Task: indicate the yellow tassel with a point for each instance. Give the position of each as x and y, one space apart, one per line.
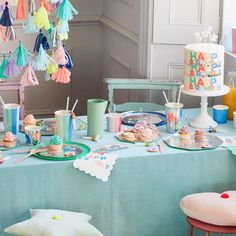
52 67
41 18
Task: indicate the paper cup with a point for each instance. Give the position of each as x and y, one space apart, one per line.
234 113
114 122
11 113
64 125
173 116
32 134
220 113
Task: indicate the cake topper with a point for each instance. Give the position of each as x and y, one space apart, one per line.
206 36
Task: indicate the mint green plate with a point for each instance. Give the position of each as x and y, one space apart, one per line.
79 150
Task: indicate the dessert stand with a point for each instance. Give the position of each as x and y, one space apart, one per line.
204 120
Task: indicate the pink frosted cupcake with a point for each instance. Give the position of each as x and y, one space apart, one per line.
9 140
29 120
185 133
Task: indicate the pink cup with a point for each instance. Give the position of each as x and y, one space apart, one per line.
114 121
234 39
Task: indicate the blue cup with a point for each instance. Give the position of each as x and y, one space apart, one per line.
11 113
220 113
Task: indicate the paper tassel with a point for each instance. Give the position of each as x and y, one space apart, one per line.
2 36
52 67
48 6
54 1
66 11
29 78
41 18
12 69
6 18
41 40
3 68
42 60
62 76
69 63
31 6
20 11
10 33
29 26
60 56
22 55
62 29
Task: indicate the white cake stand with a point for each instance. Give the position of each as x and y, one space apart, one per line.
204 120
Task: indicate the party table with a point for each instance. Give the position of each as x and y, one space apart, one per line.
141 197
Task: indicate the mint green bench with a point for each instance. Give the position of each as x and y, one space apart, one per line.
171 86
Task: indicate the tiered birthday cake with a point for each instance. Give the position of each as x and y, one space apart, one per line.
204 67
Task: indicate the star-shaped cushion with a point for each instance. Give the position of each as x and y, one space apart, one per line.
54 223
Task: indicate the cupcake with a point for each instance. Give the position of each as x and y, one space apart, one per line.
9 140
185 133
55 146
29 120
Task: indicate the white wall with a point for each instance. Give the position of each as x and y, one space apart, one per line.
120 41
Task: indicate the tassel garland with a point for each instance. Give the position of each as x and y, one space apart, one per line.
62 76
41 18
48 6
29 78
60 56
2 36
42 60
3 68
20 11
62 29
22 55
66 11
12 69
29 26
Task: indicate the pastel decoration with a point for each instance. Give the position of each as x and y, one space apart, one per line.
52 67
204 67
66 11
29 78
60 56
41 18
69 63
20 10
42 60
12 69
41 39
3 68
43 222
11 114
62 75
62 29
22 55
212 208
96 109
48 6
29 26
64 125
2 35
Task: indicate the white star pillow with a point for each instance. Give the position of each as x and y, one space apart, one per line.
54 223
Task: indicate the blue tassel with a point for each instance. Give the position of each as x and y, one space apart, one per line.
6 18
70 63
29 26
41 40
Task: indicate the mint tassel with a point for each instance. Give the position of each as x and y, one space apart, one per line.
29 26
22 55
42 60
66 11
3 68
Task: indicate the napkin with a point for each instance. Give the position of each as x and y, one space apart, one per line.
96 164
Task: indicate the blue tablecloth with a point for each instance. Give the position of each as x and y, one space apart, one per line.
141 197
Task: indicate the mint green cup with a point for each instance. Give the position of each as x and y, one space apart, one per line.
11 114
96 112
64 125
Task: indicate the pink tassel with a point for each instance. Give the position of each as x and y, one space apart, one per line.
3 38
29 78
60 56
62 75
48 6
20 11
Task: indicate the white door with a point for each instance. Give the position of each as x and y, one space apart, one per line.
174 24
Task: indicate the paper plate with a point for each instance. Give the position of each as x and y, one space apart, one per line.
211 142
48 129
132 117
79 149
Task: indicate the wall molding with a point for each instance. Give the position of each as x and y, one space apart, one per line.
122 63
119 28
173 66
